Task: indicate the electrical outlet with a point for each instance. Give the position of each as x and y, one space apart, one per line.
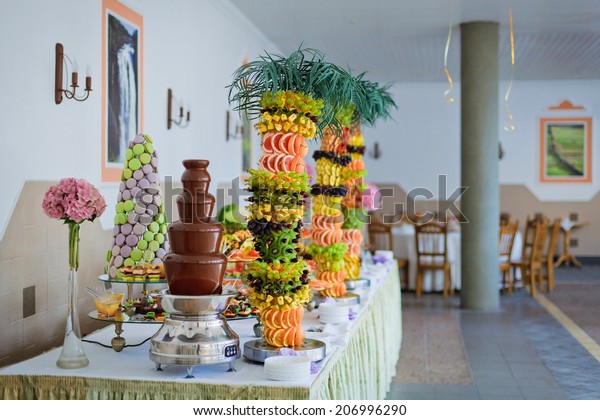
28 301
574 242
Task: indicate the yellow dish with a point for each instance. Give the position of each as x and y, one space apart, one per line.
109 304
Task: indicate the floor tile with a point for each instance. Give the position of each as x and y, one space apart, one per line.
518 352
536 393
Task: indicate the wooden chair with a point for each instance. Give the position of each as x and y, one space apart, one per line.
528 234
432 254
505 246
531 265
504 219
548 258
382 237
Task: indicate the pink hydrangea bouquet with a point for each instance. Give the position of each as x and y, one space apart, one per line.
74 201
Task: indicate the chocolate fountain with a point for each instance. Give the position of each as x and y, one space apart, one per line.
195 332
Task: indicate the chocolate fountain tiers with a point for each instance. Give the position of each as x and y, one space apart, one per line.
195 267
195 332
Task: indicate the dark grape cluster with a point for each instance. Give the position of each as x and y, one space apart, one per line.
317 189
280 287
356 149
260 228
343 160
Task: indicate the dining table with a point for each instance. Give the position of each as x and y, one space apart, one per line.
360 360
404 247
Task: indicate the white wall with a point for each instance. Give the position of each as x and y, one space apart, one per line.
191 46
423 140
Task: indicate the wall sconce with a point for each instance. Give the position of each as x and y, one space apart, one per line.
58 78
376 153
170 121
234 133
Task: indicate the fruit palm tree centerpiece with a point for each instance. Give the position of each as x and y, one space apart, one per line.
294 98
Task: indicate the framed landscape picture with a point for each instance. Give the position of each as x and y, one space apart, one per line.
565 149
122 103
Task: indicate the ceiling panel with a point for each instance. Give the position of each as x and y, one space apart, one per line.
399 40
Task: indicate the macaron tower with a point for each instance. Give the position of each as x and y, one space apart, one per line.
327 247
139 235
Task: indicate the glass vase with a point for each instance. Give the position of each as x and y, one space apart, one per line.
72 355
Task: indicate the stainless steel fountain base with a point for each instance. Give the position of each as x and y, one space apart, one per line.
349 299
358 284
259 350
195 333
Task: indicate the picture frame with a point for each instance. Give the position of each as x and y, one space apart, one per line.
565 150
122 85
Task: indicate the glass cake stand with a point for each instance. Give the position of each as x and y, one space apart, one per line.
118 342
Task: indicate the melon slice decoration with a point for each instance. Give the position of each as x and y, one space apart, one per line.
327 247
294 98
353 174
336 250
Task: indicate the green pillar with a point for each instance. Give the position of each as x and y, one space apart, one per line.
479 165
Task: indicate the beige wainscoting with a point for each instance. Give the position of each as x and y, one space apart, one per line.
519 202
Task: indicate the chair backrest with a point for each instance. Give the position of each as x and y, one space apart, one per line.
528 235
540 233
431 240
507 238
380 235
553 239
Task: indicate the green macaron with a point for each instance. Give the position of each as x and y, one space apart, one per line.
138 149
153 227
128 205
135 164
136 254
148 236
145 158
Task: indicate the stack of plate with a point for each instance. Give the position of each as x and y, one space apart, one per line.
332 313
287 368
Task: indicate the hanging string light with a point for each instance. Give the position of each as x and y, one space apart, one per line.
446 71
509 125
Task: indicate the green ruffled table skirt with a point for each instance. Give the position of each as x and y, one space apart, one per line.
363 370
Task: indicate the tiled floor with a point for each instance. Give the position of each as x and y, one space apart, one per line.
519 352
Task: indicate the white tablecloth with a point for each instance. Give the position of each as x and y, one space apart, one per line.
132 367
405 248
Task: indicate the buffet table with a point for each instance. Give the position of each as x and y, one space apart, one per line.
360 362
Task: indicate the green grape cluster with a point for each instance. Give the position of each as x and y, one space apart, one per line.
354 218
299 102
277 278
332 253
261 180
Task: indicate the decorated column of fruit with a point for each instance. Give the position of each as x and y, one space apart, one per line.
353 212
293 97
328 247
379 102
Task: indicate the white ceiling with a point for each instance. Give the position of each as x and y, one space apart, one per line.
404 40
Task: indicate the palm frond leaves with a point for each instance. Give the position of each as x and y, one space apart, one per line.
306 71
379 101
